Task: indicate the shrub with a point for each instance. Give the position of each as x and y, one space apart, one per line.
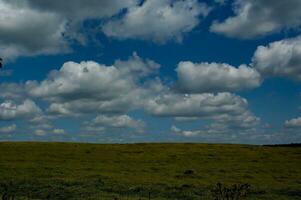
234 192
8 191
189 172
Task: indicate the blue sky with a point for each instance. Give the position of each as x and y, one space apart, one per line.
219 71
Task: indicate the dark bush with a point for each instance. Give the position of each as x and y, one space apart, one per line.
189 172
8 190
234 192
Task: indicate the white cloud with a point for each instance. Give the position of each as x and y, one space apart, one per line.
12 91
293 123
137 67
215 77
245 122
260 17
226 111
43 131
280 58
41 122
103 122
112 91
8 129
41 125
121 121
9 110
25 31
225 124
61 109
82 80
91 87
58 131
196 105
40 132
158 20
78 10
186 133
33 27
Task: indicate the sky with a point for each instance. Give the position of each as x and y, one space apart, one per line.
131 71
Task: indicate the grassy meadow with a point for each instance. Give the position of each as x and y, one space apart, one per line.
143 171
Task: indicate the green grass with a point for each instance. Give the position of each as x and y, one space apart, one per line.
92 171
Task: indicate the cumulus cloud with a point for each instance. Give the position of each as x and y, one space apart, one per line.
245 122
78 10
293 123
33 27
158 20
12 91
103 122
226 110
215 77
8 129
81 80
280 58
40 132
91 87
58 131
25 31
40 121
46 131
112 91
225 123
185 133
9 110
258 18
195 105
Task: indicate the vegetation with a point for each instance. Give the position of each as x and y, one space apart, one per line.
148 171
235 192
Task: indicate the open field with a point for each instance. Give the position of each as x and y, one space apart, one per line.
165 171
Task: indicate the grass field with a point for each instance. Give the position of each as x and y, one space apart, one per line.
165 171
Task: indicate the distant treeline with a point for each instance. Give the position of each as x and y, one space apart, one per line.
284 145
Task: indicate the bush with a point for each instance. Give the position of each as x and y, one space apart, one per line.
8 191
234 192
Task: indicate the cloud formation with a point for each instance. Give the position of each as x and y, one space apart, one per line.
281 58
158 20
58 131
226 111
79 10
109 93
9 110
12 91
261 17
32 27
121 122
185 133
195 105
91 87
215 77
29 32
113 91
293 123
